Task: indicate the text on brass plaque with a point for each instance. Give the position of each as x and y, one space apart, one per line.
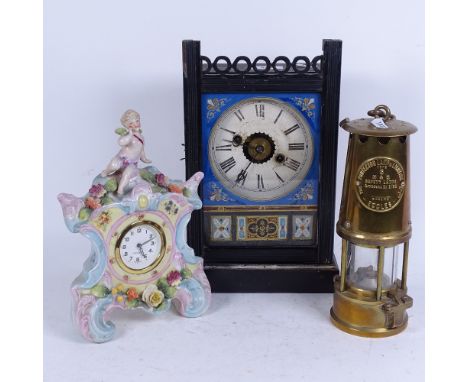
380 184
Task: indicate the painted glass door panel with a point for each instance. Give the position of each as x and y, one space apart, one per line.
261 154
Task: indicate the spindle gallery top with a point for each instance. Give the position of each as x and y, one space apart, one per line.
382 124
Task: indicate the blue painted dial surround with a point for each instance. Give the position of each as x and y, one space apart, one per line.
213 106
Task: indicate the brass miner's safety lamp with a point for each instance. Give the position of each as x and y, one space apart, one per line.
370 299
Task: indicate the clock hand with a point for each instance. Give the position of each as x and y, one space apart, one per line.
278 176
141 251
243 174
147 241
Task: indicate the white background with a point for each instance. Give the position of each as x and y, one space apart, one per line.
104 57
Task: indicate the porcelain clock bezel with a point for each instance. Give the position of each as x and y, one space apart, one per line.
123 263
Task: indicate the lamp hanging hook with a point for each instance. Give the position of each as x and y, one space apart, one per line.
381 111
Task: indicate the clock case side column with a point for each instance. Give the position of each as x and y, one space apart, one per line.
330 119
192 128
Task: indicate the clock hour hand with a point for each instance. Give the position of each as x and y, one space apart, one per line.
243 174
140 248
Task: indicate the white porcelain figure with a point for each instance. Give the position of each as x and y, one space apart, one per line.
132 150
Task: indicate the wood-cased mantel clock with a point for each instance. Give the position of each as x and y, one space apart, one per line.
264 132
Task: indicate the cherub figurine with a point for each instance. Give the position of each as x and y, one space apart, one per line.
132 150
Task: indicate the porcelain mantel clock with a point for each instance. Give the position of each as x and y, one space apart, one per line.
264 132
136 221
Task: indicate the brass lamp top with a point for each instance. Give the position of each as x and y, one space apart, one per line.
375 205
383 124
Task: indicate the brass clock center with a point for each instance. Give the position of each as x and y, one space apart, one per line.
259 148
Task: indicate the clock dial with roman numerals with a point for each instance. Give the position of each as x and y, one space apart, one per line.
261 149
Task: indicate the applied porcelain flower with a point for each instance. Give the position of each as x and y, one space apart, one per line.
161 179
152 296
92 203
174 188
132 294
97 191
174 278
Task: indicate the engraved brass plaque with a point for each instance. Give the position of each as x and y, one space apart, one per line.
380 184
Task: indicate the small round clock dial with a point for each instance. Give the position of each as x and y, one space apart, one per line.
141 247
261 149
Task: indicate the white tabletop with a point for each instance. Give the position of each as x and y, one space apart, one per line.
242 337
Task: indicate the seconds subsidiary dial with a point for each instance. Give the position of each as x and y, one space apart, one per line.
261 149
140 248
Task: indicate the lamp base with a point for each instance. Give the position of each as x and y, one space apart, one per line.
366 332
359 313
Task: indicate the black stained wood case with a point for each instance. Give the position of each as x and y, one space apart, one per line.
250 244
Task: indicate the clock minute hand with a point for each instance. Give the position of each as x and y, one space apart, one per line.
147 241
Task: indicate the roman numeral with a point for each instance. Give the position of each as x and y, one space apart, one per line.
224 148
292 164
296 146
228 164
260 111
279 177
239 115
279 115
291 129
260 184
